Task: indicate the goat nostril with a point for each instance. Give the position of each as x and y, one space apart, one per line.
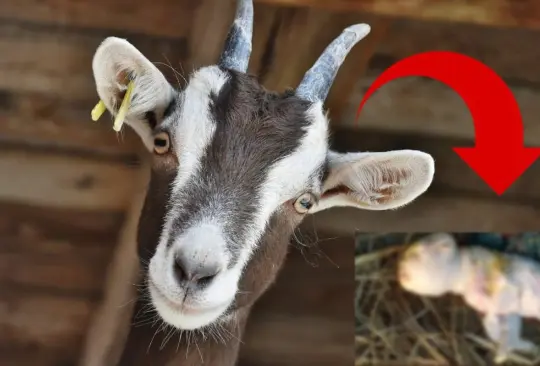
179 271
203 279
197 273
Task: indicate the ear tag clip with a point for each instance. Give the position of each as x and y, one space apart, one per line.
98 111
100 108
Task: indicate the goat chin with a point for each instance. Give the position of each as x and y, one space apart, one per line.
182 317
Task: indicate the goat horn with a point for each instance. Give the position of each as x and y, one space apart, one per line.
318 80
237 49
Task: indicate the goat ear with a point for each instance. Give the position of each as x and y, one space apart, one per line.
116 63
376 181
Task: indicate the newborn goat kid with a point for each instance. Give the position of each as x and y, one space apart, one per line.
503 287
235 170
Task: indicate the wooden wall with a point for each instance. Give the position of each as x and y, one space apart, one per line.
307 317
419 113
66 182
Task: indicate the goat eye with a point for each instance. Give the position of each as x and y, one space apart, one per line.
161 143
304 203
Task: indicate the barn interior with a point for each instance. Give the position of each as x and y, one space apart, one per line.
70 188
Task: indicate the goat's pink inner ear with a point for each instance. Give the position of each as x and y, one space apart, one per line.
122 78
341 189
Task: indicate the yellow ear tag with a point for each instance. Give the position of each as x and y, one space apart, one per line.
98 111
119 120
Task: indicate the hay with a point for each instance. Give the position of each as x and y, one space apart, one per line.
394 327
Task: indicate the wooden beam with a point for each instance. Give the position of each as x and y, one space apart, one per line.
80 272
174 18
452 174
296 43
48 323
431 213
211 22
425 106
110 325
291 39
498 13
49 251
324 259
511 52
21 355
31 222
47 179
170 18
267 20
52 264
299 340
56 61
43 121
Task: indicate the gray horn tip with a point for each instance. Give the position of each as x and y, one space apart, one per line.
360 30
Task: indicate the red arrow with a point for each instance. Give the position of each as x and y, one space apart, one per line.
499 156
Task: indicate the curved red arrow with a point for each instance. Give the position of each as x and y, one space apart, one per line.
499 156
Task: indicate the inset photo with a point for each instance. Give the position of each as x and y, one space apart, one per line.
447 299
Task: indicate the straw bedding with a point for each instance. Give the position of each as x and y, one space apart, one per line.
394 327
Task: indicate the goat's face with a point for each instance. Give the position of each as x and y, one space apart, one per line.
236 168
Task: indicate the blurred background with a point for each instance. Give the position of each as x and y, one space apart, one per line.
398 328
66 183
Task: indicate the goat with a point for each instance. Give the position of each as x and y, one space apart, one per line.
235 169
503 287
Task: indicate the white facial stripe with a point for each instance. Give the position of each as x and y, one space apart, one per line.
297 170
193 129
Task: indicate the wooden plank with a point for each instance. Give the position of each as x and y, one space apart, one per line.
298 340
452 174
35 224
43 322
57 180
111 323
421 105
43 250
171 18
57 61
211 23
31 356
52 266
45 121
299 38
267 19
525 13
324 260
80 273
512 53
432 213
320 296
